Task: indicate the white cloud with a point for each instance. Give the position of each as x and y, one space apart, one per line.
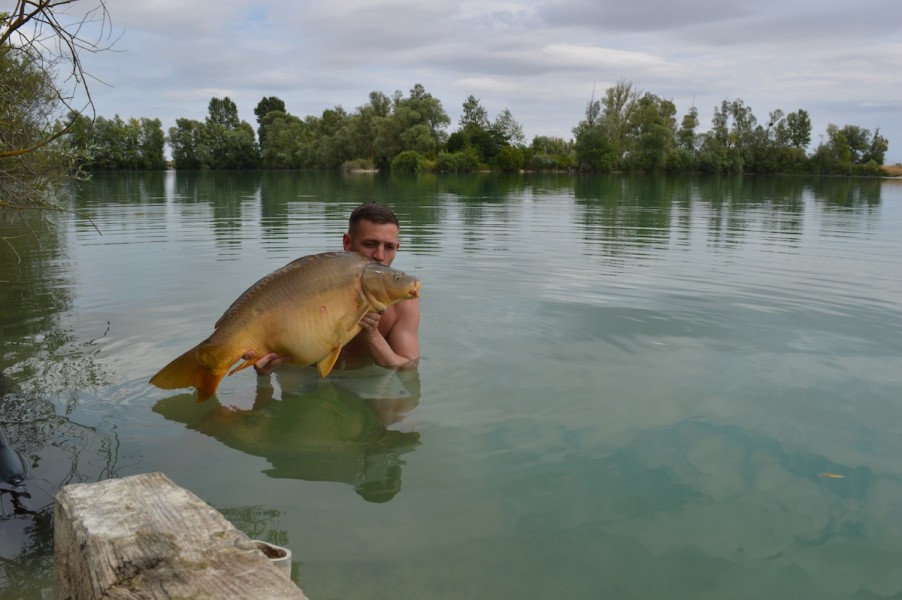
839 61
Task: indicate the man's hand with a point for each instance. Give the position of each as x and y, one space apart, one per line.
370 322
267 363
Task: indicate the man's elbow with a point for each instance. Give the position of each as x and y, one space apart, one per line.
400 362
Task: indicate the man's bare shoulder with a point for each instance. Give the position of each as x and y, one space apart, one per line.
408 309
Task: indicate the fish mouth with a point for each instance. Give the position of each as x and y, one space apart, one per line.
415 290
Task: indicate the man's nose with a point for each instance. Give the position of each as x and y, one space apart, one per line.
379 254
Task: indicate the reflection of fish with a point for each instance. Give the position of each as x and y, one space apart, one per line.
308 310
324 434
831 476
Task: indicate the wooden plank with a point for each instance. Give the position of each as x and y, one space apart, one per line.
145 537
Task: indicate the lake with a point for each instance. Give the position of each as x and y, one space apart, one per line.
630 387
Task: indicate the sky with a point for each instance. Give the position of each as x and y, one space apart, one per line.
543 60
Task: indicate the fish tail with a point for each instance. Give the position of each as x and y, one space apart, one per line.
189 371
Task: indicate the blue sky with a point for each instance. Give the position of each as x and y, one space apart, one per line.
840 61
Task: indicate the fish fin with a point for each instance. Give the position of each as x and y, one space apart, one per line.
325 365
243 365
188 371
349 322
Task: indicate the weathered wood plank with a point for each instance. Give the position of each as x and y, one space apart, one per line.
145 537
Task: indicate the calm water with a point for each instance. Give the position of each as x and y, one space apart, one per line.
630 387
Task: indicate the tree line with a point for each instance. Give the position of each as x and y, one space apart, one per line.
623 130
47 136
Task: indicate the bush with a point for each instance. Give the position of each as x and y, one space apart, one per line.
409 161
869 169
464 161
541 162
509 158
358 164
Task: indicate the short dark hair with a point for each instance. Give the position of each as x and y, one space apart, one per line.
374 212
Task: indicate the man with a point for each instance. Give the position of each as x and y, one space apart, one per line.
392 337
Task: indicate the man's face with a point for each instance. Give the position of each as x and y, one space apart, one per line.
375 240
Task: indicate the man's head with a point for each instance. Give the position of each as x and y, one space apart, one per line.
373 231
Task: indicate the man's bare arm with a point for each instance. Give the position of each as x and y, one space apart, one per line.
401 347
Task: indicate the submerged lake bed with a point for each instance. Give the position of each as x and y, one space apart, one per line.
629 387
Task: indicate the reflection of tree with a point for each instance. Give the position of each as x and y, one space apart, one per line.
43 366
286 195
105 188
845 193
619 214
333 429
736 205
29 573
494 188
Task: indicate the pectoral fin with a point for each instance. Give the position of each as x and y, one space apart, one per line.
349 322
325 365
243 365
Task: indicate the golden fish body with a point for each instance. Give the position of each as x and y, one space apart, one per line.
307 310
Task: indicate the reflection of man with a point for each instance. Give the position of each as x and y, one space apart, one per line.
392 337
334 429
343 424
389 394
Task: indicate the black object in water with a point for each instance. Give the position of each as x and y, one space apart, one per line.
13 469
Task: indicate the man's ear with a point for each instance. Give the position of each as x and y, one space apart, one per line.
346 241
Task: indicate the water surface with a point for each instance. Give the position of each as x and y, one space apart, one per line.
631 387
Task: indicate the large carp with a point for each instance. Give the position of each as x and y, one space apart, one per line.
307 310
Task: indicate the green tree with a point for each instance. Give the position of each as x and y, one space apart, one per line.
223 141
408 161
465 160
877 149
240 150
38 38
266 105
593 148
510 158
416 123
153 142
507 130
187 141
116 144
850 150
333 144
834 156
728 146
485 144
798 129
478 134
686 142
859 140
223 112
652 125
362 128
287 137
547 152
617 107
602 139
473 115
